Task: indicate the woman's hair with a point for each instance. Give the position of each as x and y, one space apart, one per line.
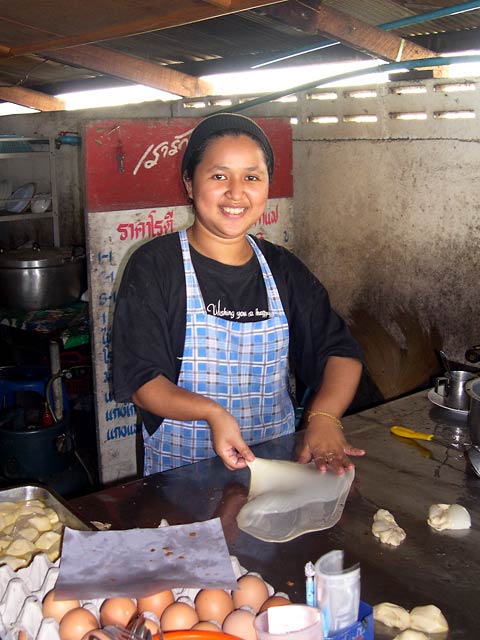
218 126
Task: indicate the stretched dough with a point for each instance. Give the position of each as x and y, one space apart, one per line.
428 618
448 516
410 634
386 529
391 615
287 499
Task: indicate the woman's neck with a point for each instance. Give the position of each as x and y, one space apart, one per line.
235 251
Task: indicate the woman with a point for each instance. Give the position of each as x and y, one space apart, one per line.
209 320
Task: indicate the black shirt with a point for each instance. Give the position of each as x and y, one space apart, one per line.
149 322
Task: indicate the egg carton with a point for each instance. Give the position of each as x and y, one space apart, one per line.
22 592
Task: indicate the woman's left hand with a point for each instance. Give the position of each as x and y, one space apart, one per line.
325 444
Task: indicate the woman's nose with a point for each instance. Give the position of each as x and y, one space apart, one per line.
235 189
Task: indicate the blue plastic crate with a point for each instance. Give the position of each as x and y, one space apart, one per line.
360 630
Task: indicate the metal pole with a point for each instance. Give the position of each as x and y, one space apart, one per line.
55 369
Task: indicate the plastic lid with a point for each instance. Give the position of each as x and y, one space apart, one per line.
34 258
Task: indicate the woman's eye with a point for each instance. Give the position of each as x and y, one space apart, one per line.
251 178
219 176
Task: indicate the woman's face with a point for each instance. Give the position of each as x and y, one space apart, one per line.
229 187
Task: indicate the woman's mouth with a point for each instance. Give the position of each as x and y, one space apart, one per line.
234 211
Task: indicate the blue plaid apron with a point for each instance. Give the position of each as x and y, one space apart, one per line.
241 365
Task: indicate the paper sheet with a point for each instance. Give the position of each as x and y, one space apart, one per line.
138 562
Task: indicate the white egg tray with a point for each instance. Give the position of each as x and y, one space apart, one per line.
22 592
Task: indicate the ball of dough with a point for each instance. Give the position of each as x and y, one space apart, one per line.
391 615
428 618
448 516
410 634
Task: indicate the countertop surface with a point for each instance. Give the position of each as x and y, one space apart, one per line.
404 477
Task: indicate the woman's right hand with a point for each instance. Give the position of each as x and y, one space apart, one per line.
228 442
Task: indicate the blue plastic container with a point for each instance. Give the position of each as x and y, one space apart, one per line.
361 630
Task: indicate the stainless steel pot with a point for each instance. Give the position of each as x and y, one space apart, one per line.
38 278
472 387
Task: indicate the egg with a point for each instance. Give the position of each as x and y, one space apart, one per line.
156 603
251 591
117 611
206 625
76 623
213 604
56 609
96 634
240 623
178 616
274 601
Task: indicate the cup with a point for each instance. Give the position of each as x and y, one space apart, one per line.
451 387
295 622
338 591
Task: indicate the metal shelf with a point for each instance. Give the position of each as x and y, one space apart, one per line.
30 153
5 216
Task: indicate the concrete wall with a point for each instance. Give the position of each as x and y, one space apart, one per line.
388 214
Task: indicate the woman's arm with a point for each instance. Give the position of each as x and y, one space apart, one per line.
324 440
164 398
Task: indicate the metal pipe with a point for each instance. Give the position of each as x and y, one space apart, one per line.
387 67
464 7
55 369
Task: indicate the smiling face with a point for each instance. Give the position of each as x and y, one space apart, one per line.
229 187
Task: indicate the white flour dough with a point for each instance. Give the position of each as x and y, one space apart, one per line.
410 634
386 529
391 615
428 618
448 516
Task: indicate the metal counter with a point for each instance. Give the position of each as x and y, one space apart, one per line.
405 477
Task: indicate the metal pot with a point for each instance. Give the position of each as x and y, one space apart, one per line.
472 387
39 278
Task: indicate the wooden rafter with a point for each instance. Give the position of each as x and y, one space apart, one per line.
133 69
31 99
314 17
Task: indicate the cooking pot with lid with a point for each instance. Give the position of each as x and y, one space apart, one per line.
41 278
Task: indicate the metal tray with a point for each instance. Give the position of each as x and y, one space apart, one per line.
38 492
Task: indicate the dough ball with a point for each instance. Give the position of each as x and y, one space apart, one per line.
386 529
391 615
448 516
428 618
411 634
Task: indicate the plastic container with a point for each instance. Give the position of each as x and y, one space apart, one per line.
361 629
304 623
338 591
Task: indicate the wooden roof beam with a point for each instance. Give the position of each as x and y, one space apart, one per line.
170 16
31 99
133 69
314 17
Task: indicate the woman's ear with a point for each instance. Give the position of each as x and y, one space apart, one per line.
187 183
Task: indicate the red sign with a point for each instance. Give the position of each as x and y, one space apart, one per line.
135 164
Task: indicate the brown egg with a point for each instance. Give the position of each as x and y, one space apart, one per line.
96 634
251 591
178 616
76 623
213 604
156 603
56 609
274 601
205 625
117 611
240 623
22 635
152 623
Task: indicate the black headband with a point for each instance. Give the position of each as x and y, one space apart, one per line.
222 122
